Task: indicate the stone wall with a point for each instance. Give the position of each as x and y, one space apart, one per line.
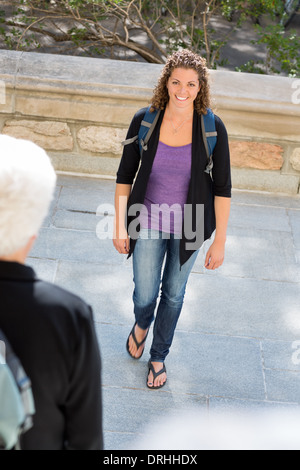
79 110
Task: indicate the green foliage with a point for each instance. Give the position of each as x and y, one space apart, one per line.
251 8
282 50
251 67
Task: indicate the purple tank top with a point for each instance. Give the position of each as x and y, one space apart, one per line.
167 189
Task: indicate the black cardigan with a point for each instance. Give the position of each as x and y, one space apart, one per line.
202 188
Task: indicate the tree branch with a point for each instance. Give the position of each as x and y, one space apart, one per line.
149 32
39 20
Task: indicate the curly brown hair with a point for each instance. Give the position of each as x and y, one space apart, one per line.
188 60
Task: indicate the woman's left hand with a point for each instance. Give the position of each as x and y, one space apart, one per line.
215 255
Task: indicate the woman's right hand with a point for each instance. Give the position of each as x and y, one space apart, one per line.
120 238
122 242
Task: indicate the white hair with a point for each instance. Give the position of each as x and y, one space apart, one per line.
27 183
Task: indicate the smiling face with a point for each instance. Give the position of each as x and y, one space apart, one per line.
183 87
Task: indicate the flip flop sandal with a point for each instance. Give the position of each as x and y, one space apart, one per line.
138 345
155 375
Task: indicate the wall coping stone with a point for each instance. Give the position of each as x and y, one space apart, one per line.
104 77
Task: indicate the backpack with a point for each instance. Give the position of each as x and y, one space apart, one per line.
149 122
16 399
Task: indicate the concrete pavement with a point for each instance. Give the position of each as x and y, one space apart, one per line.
237 344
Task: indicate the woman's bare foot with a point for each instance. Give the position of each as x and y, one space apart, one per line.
140 335
160 380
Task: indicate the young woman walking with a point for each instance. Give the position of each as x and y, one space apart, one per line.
170 177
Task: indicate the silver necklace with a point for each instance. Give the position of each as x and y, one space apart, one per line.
177 129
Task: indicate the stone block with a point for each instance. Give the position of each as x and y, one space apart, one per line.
271 250
99 139
281 355
258 123
84 221
226 366
74 245
89 183
267 180
96 276
86 200
246 198
242 307
295 159
259 217
44 268
256 155
283 385
64 106
86 164
50 135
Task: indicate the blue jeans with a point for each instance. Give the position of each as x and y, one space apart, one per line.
148 257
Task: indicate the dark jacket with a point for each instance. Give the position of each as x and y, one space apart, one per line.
202 188
52 333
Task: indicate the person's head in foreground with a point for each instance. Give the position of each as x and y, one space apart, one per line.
27 182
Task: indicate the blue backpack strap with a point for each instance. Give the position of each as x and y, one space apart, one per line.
147 127
209 137
146 130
